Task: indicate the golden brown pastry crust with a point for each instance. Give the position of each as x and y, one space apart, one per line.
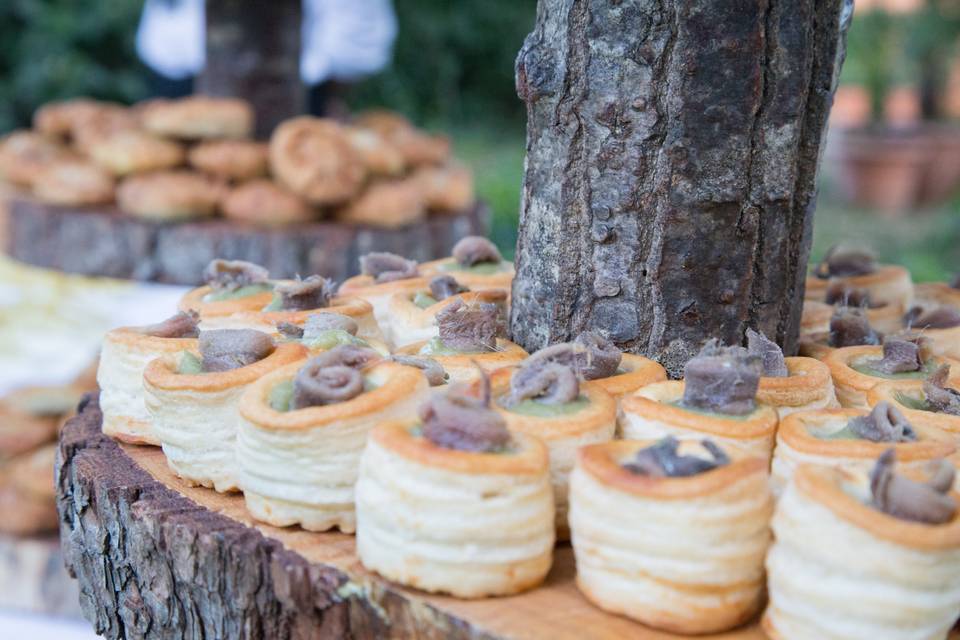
230 159
357 308
889 284
852 386
73 183
447 188
199 117
265 203
463 368
417 147
447 266
126 152
169 195
892 391
815 318
162 373
528 456
314 158
25 154
386 203
939 293
638 372
409 323
193 300
808 383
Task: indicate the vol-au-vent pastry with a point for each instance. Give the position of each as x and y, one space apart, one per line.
852 438
453 502
672 534
230 159
412 315
885 317
939 325
304 426
324 330
847 327
24 154
265 203
883 284
386 203
468 341
716 399
233 286
856 370
314 158
124 355
543 398
859 558
476 262
126 152
936 403
193 396
169 195
295 300
198 118
383 275
815 319
790 384
73 183
601 364
938 293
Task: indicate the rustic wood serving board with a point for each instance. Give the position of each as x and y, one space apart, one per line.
156 558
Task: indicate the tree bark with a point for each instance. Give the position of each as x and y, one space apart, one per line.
672 150
253 52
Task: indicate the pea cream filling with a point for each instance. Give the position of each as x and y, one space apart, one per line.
220 295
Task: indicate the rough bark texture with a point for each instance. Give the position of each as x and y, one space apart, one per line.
253 52
672 150
108 243
152 564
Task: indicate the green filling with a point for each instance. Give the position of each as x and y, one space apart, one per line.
331 338
276 304
435 347
189 364
424 300
911 402
234 294
846 433
867 368
281 396
708 412
540 409
480 269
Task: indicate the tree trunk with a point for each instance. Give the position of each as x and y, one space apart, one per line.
672 150
253 52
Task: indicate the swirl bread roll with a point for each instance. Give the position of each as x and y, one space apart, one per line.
73 183
57 119
198 118
390 203
412 315
193 399
850 439
454 503
124 355
169 195
264 203
25 154
125 152
230 159
855 370
299 461
840 568
448 188
683 553
563 419
416 147
475 262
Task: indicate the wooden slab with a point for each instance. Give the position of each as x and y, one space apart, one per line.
180 561
105 242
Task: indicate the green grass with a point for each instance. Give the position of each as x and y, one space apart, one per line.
924 241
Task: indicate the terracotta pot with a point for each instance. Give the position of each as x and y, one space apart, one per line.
882 168
942 176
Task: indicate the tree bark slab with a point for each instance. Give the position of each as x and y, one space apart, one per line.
105 242
157 559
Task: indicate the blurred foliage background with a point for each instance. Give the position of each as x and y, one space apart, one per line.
453 71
